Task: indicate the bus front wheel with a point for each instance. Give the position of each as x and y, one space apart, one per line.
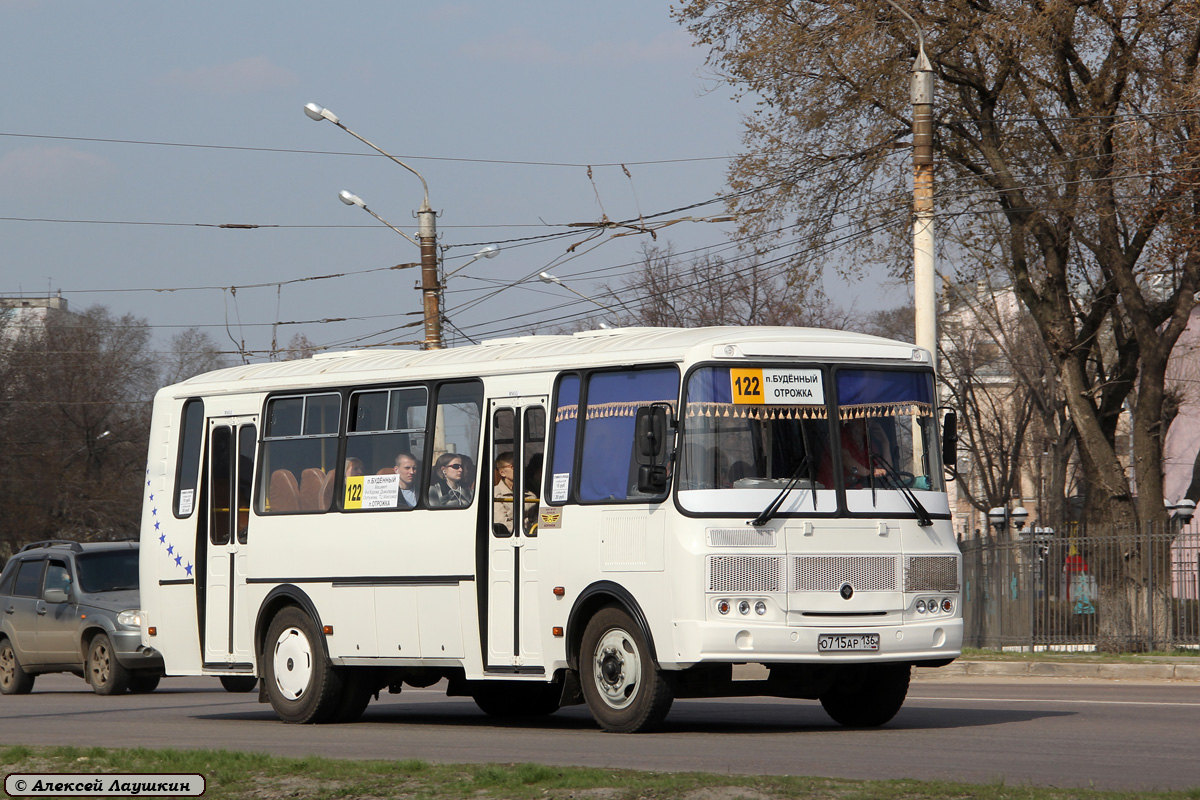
868 695
302 685
622 686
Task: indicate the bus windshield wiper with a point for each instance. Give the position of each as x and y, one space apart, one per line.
923 518
773 506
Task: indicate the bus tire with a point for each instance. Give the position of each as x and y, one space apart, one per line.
13 677
105 673
359 685
868 696
239 683
512 699
622 686
302 685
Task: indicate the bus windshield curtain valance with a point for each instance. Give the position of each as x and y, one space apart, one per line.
771 413
877 393
627 408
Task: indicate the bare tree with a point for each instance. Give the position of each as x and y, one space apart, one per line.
191 352
710 290
299 346
1074 124
76 405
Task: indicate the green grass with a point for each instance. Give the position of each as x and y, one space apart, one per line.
256 776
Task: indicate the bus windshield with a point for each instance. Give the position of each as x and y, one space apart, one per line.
747 433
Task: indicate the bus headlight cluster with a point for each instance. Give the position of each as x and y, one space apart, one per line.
724 607
934 605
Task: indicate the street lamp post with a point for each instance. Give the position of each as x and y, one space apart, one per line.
546 277
426 233
924 285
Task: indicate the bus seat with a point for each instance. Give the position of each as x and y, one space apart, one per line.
312 483
327 489
284 493
387 471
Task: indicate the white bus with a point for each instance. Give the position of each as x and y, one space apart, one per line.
617 517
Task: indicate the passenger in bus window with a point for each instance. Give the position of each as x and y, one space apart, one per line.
502 492
354 467
449 490
406 468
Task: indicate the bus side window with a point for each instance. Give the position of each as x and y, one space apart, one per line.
187 472
300 435
566 424
458 415
609 467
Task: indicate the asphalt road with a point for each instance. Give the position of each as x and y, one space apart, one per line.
1069 733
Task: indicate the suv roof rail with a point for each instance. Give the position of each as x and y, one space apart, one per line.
75 546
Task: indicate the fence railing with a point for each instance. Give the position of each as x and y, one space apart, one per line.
1044 591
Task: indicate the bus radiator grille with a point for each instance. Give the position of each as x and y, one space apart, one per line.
931 574
745 574
829 573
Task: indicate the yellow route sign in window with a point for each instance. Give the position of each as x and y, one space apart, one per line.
794 387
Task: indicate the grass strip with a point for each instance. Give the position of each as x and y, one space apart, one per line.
259 776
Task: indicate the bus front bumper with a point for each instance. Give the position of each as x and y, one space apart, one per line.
728 642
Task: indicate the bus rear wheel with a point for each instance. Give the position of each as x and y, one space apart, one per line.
868 695
302 685
622 686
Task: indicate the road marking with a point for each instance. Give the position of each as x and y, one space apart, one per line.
1061 702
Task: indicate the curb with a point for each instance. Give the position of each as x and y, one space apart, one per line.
1060 669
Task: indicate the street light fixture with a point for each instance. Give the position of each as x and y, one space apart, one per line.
1001 516
351 199
487 251
426 231
546 277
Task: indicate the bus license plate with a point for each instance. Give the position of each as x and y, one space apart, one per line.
828 642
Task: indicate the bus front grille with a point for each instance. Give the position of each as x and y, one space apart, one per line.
830 573
745 574
931 574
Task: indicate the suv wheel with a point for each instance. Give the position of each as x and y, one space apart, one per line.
104 672
13 679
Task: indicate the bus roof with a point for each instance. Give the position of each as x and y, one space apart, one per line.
556 352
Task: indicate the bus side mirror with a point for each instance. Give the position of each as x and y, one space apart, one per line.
950 440
650 434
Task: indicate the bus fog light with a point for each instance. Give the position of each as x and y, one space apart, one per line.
744 607
760 608
920 606
947 605
723 606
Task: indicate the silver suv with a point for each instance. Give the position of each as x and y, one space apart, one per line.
73 607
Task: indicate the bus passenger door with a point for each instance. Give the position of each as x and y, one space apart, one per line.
517 436
231 445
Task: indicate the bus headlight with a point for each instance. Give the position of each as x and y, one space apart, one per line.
947 605
744 607
723 606
920 606
760 608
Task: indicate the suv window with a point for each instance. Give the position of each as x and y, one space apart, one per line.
29 576
108 571
57 577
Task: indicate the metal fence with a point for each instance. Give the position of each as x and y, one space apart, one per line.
1043 591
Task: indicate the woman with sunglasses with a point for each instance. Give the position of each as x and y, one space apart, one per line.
450 488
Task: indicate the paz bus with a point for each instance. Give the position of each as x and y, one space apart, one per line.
618 517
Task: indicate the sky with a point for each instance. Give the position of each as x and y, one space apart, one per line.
131 130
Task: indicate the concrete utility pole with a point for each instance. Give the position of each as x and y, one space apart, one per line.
924 285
